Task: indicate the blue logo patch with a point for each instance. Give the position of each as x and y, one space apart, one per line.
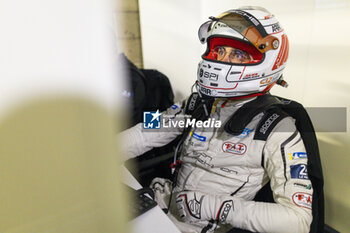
299 171
297 155
245 133
198 137
174 107
151 120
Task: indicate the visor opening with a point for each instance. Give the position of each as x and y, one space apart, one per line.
222 41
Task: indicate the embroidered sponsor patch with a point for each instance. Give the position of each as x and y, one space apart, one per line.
225 169
302 199
204 159
191 203
198 137
234 148
192 103
245 133
174 107
297 155
268 123
299 171
306 186
224 210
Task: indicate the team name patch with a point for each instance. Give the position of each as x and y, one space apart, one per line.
234 148
302 199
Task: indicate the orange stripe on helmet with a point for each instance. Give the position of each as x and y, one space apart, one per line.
282 54
287 50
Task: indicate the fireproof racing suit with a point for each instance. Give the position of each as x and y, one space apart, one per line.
221 174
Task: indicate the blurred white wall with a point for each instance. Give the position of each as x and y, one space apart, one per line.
317 70
56 48
169 40
59 169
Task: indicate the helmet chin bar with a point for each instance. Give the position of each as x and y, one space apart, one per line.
207 93
207 97
217 80
201 94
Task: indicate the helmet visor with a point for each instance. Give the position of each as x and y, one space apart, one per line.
203 31
243 23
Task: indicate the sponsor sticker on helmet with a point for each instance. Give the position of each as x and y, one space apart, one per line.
302 199
276 27
234 148
266 80
253 75
201 72
207 91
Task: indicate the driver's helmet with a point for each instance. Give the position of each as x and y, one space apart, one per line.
246 53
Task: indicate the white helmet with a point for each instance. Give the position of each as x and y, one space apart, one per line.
250 30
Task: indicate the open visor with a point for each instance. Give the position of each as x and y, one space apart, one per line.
243 23
243 49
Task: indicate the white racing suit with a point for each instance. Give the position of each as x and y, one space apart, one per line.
221 174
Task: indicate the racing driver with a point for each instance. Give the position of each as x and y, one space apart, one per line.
223 169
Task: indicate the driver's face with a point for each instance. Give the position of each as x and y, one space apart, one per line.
231 55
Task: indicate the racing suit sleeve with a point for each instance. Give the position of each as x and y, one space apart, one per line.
137 140
285 162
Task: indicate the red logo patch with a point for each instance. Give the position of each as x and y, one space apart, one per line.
302 200
234 148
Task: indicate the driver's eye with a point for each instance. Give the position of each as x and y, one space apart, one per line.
238 54
221 52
